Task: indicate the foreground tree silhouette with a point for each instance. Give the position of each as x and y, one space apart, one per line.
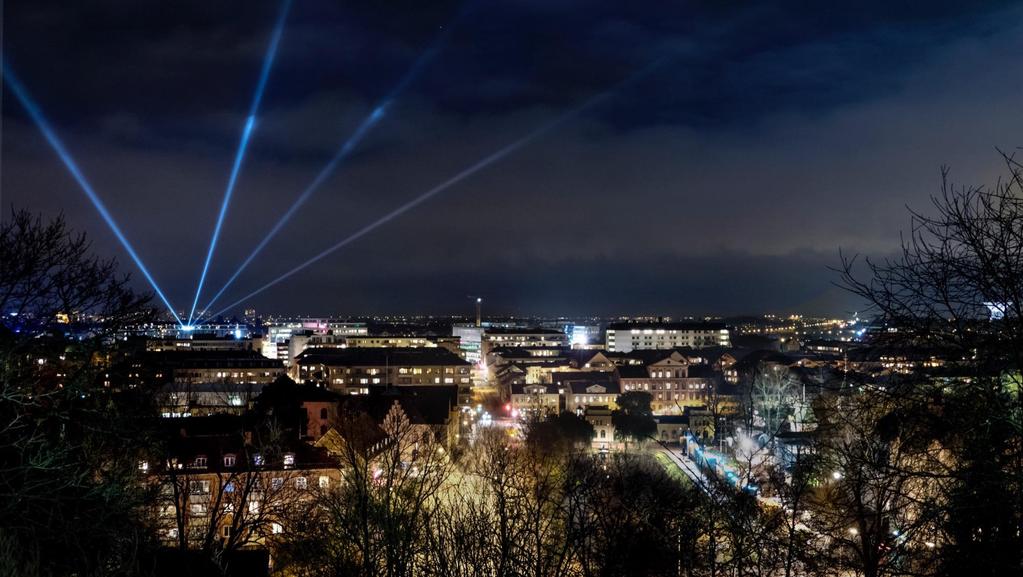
69 446
634 419
956 287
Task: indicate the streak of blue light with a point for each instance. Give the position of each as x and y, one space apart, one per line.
21 93
343 152
457 178
250 123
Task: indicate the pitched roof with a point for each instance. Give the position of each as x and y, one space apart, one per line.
216 436
704 372
579 383
633 372
520 388
753 359
423 405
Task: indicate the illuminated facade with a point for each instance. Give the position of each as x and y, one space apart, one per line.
627 337
355 370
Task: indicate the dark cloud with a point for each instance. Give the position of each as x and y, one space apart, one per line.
723 181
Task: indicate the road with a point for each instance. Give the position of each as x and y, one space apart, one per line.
693 472
686 465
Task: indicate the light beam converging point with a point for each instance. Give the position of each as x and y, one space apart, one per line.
250 123
21 93
343 152
457 178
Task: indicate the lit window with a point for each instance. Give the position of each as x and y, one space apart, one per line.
301 483
289 459
324 481
276 528
229 460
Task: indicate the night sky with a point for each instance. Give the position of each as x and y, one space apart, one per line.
724 180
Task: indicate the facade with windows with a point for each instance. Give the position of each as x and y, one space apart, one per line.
355 370
627 337
202 399
603 428
214 484
536 399
668 382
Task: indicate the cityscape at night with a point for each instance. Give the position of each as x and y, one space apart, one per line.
475 288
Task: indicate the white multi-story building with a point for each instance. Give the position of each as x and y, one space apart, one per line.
275 344
627 337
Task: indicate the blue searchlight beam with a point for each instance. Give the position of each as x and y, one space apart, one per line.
457 178
21 93
250 124
346 149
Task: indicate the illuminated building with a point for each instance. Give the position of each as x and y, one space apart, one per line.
583 389
470 342
196 367
275 344
535 399
626 337
668 383
356 370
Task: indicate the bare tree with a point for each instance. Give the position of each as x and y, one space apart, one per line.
238 498
770 401
374 521
877 512
957 288
69 444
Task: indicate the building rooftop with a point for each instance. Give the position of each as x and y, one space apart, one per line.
380 357
425 405
633 372
679 326
579 382
520 388
525 331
